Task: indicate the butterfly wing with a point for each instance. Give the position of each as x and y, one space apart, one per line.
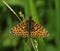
20 29
38 31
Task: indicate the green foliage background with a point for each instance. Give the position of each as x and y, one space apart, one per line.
46 12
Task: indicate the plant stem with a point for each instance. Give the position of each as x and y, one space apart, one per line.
11 9
57 4
34 44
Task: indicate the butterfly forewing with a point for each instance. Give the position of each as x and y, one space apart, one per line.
38 31
20 29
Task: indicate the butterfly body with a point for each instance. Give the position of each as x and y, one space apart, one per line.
29 28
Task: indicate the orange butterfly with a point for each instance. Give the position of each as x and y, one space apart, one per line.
29 28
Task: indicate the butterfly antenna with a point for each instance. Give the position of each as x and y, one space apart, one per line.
11 10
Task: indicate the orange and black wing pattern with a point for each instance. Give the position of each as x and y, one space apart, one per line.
38 31
29 28
20 29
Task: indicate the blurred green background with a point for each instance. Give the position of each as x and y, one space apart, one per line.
46 12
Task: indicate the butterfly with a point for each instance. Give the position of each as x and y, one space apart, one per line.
29 28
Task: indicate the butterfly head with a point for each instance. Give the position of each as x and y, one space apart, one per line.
30 18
